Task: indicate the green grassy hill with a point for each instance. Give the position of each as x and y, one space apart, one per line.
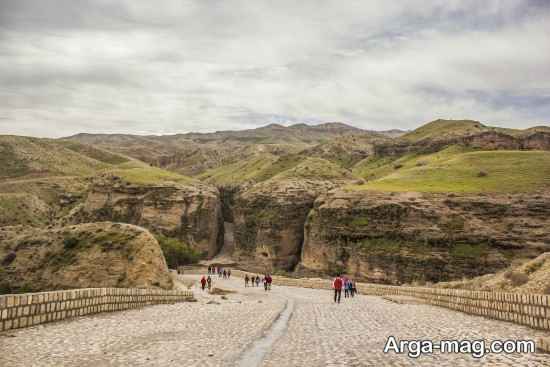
458 170
24 158
440 129
315 169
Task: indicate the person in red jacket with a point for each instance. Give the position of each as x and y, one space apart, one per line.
269 281
203 282
337 284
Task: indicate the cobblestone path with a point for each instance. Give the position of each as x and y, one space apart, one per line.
318 333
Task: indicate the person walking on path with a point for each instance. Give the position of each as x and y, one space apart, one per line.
209 270
257 281
228 273
209 281
219 272
265 282
337 286
350 287
224 274
269 280
346 287
203 282
246 279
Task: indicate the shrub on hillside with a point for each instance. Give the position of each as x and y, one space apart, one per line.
70 243
177 253
517 279
482 174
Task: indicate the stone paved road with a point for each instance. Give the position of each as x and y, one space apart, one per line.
319 333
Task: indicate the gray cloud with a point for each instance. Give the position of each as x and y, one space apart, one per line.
202 65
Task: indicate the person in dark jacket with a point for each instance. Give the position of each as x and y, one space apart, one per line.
203 282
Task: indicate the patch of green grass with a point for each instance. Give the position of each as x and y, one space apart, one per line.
10 164
315 168
282 164
94 153
380 245
360 221
146 175
177 253
469 251
20 209
239 172
450 171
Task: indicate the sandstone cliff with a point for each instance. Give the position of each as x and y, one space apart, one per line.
190 212
80 256
269 220
395 238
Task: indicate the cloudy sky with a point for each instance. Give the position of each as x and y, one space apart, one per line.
167 66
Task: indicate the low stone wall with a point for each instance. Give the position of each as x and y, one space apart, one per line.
23 310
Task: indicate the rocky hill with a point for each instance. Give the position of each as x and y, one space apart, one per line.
532 276
82 256
51 184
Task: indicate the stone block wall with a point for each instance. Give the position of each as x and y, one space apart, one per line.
23 310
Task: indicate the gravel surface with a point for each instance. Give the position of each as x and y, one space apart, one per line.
317 333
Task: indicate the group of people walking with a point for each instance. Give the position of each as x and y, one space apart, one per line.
348 285
338 284
206 281
226 274
255 280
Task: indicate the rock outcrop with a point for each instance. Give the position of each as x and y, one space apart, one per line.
486 140
269 220
532 276
191 213
396 238
81 256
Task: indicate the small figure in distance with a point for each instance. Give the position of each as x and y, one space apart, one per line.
337 286
209 269
203 282
209 281
224 274
265 282
269 280
346 286
257 281
228 273
350 287
246 279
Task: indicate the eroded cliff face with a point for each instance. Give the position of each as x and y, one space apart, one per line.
269 222
191 213
80 256
487 140
396 238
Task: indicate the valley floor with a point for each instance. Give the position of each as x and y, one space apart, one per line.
313 332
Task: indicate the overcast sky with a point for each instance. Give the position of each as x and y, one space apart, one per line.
167 66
